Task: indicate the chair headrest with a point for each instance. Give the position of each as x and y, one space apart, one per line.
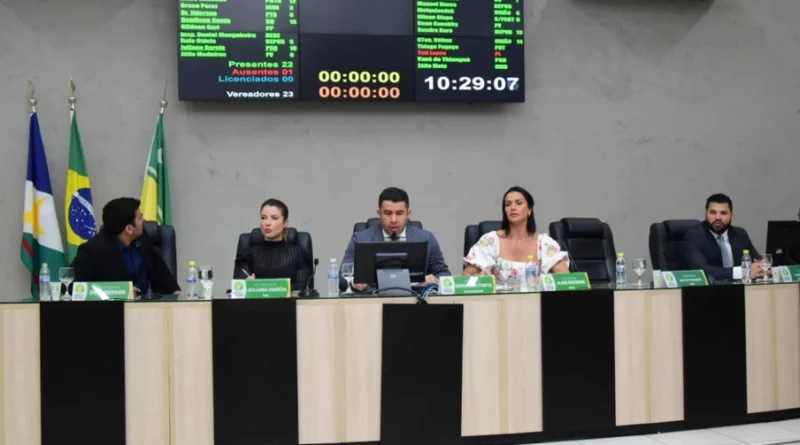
256 236
676 228
151 229
488 226
583 227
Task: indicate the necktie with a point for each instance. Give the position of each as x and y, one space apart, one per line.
727 261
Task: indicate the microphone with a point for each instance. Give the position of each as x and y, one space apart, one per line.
308 292
393 237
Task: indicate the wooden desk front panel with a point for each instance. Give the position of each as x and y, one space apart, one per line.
502 364
648 353
20 390
772 315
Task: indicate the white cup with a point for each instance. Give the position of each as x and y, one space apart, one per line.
208 289
776 274
55 291
656 277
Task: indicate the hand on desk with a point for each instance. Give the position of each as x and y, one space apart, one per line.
251 277
430 279
359 287
756 271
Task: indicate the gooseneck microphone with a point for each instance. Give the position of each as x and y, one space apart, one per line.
308 292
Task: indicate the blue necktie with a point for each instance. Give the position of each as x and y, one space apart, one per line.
727 260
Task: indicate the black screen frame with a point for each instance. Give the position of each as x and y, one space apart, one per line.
365 259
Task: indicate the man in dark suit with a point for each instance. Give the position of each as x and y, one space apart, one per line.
122 252
393 208
716 247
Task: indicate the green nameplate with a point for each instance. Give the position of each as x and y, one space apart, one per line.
789 274
272 288
565 281
682 278
467 285
102 290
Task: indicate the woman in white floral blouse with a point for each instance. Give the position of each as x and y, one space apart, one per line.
516 239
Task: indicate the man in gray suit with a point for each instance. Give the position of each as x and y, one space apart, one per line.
393 209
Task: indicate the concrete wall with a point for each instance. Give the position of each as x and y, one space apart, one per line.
636 111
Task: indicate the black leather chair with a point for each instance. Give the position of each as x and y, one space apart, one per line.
302 239
590 245
163 240
473 233
667 243
374 222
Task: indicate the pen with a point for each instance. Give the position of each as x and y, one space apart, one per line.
245 273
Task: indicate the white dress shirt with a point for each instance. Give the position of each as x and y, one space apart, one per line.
737 270
400 236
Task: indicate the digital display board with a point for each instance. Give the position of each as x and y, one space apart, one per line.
352 50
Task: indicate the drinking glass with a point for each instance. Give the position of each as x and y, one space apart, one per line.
66 275
505 269
766 265
348 269
207 281
640 267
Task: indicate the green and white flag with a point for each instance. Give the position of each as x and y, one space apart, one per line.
156 204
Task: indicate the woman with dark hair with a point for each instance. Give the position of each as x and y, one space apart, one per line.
515 241
274 257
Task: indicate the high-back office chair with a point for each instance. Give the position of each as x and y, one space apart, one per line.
590 245
474 232
375 222
302 239
163 240
667 243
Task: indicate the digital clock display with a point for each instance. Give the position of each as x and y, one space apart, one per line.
466 69
351 50
339 67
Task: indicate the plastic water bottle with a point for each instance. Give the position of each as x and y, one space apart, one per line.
333 278
191 280
622 270
531 275
747 267
44 283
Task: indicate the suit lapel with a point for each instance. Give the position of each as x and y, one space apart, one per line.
713 246
117 266
144 250
736 245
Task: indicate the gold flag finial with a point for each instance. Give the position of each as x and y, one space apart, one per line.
31 95
72 98
164 102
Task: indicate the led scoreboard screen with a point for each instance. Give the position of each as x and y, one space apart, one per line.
351 50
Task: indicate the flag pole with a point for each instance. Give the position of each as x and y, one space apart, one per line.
31 95
164 102
72 98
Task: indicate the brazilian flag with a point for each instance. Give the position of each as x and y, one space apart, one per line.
78 208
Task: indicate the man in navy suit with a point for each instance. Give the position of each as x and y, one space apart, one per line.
394 211
716 247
